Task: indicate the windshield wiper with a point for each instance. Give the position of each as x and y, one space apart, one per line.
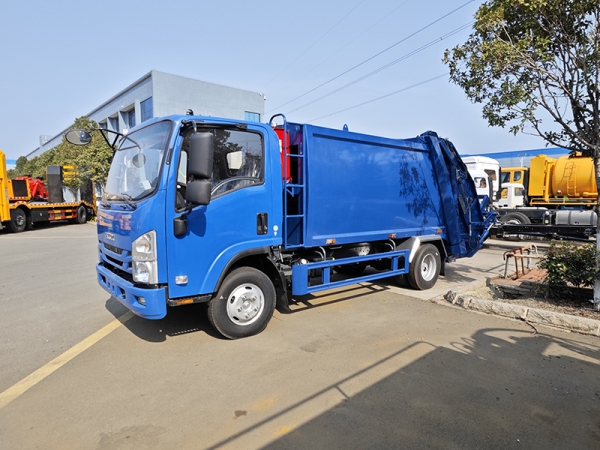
129 200
124 197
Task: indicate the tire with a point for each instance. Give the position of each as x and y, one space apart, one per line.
402 280
18 220
243 305
81 215
516 218
351 269
425 268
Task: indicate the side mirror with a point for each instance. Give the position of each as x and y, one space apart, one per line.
198 192
180 225
78 137
200 159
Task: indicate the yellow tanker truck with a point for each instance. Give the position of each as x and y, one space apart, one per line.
554 196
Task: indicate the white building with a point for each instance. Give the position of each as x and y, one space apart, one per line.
159 94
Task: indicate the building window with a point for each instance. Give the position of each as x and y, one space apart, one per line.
114 123
252 116
103 125
130 118
146 109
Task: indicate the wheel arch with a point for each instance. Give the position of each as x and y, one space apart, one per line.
25 209
414 243
260 259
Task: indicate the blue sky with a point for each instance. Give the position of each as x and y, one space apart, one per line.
62 59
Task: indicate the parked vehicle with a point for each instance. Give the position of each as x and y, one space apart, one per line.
25 201
478 164
551 198
246 216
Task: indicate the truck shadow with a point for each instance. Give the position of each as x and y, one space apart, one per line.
474 393
179 321
327 298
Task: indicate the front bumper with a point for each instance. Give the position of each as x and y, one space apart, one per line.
129 294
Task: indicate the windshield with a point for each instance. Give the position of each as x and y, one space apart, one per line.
136 165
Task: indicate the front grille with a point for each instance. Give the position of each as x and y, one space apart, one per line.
120 273
116 259
115 262
113 249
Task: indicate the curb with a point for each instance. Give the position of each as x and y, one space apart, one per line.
530 315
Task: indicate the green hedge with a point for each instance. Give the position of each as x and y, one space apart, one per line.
570 266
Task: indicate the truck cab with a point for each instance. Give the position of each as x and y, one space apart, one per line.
512 195
150 235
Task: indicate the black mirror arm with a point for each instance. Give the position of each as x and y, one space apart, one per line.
188 209
191 123
118 135
104 134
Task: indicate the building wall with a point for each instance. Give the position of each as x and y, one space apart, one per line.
169 94
119 106
175 95
522 158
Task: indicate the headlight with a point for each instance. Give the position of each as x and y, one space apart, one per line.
143 254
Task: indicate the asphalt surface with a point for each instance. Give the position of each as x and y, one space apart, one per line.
370 366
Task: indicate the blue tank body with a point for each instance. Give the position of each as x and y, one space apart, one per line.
359 188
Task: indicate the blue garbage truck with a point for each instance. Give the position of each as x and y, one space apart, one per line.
249 216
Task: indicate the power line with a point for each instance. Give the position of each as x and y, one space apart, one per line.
382 97
374 56
328 57
315 43
382 68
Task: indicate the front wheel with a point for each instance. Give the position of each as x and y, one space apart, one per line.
243 305
425 268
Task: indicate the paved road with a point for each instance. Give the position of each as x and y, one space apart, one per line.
367 366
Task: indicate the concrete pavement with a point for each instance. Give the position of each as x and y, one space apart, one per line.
365 366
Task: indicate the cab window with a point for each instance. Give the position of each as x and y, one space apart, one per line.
238 160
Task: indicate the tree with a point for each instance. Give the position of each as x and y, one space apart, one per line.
90 162
530 60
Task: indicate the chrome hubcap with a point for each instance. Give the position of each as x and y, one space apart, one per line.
245 304
428 268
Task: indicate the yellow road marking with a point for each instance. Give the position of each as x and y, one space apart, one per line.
31 380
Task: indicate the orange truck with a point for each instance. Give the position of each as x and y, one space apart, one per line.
25 201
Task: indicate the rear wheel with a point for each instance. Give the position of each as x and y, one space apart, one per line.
425 268
243 305
515 218
81 214
18 220
402 280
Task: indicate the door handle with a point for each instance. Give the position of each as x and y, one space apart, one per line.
262 223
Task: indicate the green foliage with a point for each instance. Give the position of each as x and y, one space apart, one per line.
530 58
90 162
569 265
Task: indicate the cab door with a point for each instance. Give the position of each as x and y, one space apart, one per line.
239 219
